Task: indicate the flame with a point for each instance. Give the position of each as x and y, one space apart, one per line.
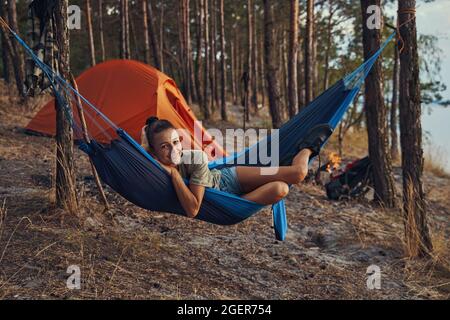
334 162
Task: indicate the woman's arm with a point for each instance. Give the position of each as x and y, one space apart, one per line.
190 197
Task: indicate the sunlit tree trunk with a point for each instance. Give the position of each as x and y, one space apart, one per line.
223 62
376 115
65 176
90 32
206 70
16 54
293 50
418 238
308 58
199 46
273 85
101 33
6 53
394 108
249 92
156 53
144 6
254 71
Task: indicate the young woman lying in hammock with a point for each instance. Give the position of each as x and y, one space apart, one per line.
161 140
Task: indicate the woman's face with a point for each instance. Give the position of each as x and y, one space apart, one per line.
167 147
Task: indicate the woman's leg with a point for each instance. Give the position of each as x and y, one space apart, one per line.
268 193
251 178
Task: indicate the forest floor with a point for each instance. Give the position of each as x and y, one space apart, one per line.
131 253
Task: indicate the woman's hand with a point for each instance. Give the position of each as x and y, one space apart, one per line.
170 170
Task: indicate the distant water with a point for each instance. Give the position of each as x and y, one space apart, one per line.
436 128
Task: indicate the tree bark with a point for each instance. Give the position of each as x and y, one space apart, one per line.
394 108
273 85
308 58
189 59
100 22
65 176
206 70
233 71
6 53
16 54
249 68
156 53
162 41
418 238
262 71
213 73
328 44
90 32
144 5
223 72
293 55
254 76
198 56
376 115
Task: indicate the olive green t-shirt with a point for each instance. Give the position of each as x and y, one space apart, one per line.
194 167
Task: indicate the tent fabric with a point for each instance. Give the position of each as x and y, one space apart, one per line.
128 92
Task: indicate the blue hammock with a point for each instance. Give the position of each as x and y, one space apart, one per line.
128 169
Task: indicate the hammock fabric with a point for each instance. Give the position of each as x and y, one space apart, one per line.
128 169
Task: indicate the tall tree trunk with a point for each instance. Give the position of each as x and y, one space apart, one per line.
162 41
284 70
394 108
376 115
206 70
293 50
249 68
301 75
90 32
273 86
308 58
315 64
182 43
189 59
223 62
156 53
254 61
198 56
17 57
122 30
144 5
328 44
213 73
100 22
262 70
233 70
6 53
65 177
127 30
415 210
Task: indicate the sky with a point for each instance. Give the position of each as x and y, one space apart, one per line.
434 18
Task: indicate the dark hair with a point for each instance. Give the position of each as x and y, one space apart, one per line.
155 125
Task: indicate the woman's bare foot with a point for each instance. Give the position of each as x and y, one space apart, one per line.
301 160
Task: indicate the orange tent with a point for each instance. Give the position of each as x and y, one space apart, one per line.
128 92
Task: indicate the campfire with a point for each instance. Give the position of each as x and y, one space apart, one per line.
334 162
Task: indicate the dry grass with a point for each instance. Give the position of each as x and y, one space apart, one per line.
131 253
435 160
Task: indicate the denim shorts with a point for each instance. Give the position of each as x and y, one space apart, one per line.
229 181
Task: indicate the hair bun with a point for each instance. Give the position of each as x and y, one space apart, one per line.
151 120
